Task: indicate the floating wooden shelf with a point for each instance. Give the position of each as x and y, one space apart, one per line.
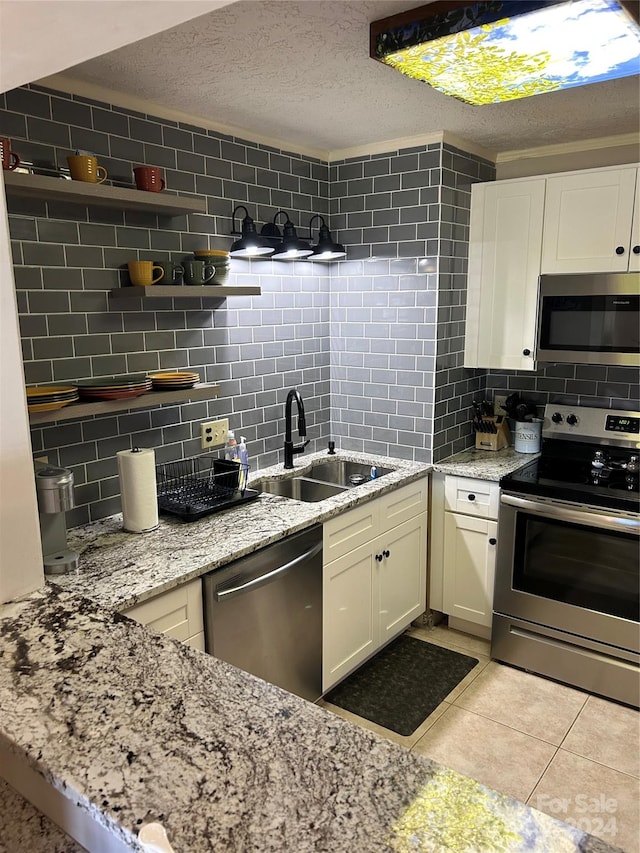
105 407
81 192
218 291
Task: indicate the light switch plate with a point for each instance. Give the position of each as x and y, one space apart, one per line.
213 433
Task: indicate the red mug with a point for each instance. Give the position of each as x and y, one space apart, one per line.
149 178
10 161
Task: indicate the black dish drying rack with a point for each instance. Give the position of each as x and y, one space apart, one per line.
193 488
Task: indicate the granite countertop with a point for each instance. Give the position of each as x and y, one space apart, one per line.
131 727
484 464
118 569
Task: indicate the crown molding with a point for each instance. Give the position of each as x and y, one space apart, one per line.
62 83
569 148
385 146
399 144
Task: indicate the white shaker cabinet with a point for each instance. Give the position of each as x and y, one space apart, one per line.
592 222
177 613
505 243
463 545
375 577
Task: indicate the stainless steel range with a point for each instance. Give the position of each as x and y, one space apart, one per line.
566 602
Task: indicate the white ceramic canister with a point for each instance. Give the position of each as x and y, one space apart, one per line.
527 436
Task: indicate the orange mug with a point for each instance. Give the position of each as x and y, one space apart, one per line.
149 178
10 161
141 273
85 168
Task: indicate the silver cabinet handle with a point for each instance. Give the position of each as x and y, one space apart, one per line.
586 517
269 576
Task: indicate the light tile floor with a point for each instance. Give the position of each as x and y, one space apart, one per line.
562 751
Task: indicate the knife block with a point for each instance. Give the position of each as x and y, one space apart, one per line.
494 440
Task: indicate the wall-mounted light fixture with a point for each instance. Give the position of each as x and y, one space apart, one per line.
282 245
501 50
250 244
287 246
326 248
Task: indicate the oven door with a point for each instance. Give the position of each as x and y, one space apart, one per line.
569 567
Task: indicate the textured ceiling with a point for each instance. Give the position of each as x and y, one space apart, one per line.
300 73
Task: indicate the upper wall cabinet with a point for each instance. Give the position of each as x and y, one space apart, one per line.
589 223
576 222
504 264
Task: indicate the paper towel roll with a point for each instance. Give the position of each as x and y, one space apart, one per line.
137 473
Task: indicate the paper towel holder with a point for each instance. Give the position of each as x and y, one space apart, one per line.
126 498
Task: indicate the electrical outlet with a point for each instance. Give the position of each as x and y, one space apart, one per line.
498 404
213 433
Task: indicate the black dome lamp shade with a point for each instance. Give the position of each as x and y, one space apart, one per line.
290 247
250 244
326 249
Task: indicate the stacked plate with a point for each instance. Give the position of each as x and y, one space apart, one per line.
175 381
220 259
114 387
48 398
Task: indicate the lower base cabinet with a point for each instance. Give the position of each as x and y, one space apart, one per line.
463 543
469 546
375 560
177 613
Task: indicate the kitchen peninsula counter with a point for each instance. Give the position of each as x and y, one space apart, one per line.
131 727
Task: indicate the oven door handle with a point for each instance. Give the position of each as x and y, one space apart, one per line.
584 516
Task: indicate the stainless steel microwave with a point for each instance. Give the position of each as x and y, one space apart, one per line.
589 319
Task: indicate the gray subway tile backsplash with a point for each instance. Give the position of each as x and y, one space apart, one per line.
359 337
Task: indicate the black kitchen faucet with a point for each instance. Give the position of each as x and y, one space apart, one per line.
290 449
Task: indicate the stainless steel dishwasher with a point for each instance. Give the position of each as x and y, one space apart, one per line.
263 613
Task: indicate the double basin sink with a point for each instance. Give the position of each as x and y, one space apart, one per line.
323 480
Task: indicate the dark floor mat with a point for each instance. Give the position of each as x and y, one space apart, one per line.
402 684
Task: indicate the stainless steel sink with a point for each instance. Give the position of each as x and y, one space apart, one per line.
342 472
299 488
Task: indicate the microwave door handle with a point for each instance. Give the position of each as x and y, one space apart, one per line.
223 593
584 517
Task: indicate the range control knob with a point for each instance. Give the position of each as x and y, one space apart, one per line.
572 420
556 417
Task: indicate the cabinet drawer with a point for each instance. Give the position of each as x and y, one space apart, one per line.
177 613
401 504
472 497
349 530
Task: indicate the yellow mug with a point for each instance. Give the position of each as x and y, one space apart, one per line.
85 168
141 273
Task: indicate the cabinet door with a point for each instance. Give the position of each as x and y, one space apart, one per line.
401 576
505 242
634 258
470 556
177 613
587 218
348 635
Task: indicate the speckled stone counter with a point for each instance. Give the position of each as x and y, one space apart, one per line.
119 569
484 464
131 727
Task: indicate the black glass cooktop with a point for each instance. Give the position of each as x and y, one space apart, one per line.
564 471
